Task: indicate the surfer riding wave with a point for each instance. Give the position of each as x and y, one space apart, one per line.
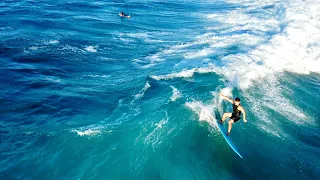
235 115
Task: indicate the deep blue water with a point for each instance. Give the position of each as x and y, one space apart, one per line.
86 94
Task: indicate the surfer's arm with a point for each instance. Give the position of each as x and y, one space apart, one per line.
226 98
244 114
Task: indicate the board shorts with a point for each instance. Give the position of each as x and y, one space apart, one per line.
235 118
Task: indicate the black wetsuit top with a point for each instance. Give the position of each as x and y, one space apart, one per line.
236 113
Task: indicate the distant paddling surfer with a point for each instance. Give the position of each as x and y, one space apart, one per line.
124 15
235 115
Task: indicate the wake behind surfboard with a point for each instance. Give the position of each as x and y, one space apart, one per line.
215 117
227 138
213 121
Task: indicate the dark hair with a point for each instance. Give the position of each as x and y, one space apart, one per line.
237 99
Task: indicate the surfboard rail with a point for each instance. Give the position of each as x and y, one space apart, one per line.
228 139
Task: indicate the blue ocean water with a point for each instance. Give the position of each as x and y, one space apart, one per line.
86 94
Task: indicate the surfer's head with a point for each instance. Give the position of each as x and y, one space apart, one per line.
237 101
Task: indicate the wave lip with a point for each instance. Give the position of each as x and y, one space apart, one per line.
185 73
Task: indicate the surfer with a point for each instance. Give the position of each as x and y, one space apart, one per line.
124 15
235 115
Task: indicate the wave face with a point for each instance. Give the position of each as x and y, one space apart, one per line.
86 94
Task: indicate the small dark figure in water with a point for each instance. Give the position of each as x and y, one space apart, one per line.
124 15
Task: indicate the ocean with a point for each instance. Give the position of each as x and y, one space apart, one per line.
87 94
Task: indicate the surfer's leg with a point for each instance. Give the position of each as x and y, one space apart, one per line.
225 116
230 126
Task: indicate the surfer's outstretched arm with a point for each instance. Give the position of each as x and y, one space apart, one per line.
244 114
226 98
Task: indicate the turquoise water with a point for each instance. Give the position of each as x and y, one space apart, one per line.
86 94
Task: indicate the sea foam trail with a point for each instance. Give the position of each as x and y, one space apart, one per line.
204 112
175 94
88 132
159 133
142 91
93 130
145 36
185 73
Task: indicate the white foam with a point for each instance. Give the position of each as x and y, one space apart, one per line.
91 48
274 132
34 48
153 40
203 112
175 94
126 40
250 5
7 28
154 58
28 132
53 42
52 79
87 132
239 19
236 20
198 54
132 37
158 134
185 73
295 49
97 75
273 101
69 48
142 91
175 50
227 91
147 66
161 123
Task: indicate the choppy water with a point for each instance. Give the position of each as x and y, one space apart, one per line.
86 94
